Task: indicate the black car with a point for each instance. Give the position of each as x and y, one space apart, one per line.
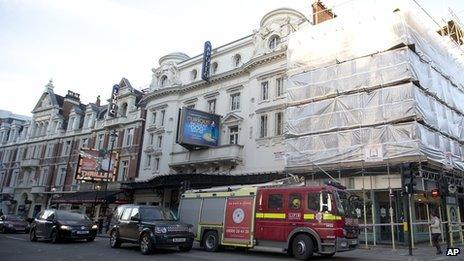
151 227
57 225
13 223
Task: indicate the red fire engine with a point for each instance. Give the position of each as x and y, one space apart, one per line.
293 218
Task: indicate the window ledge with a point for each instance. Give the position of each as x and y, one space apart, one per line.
263 101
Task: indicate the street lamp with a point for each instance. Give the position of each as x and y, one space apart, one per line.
96 188
113 136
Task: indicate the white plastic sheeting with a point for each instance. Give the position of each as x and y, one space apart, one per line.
372 89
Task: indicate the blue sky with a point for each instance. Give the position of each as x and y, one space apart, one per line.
88 45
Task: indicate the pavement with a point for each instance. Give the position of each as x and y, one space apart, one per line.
17 247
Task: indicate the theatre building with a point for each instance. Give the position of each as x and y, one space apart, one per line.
39 156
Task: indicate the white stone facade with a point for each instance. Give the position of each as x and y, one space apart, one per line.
251 131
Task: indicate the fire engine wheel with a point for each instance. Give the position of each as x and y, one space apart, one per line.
211 241
302 247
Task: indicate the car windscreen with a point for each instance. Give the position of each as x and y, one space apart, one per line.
63 215
154 214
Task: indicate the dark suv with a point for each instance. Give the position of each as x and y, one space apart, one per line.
150 227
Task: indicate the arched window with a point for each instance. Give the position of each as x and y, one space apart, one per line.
214 68
164 80
274 41
124 110
237 60
193 74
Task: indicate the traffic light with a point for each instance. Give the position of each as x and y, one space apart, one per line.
408 178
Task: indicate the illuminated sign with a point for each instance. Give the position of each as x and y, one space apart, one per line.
206 61
94 165
113 107
197 128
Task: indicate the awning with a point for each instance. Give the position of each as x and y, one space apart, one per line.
117 197
199 181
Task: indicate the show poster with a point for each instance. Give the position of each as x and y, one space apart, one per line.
94 165
198 128
238 220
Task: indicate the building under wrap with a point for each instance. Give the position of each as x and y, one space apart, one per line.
368 94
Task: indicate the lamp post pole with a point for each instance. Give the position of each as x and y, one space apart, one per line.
113 136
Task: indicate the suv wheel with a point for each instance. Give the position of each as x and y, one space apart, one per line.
146 245
115 242
302 247
32 236
211 241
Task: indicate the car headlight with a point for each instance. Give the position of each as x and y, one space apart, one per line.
94 227
65 227
190 229
160 230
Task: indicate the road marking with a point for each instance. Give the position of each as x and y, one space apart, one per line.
22 239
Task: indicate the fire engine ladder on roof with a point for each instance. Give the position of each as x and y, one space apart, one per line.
292 180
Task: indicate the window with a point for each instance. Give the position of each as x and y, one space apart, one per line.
126 214
193 74
214 68
152 138
279 87
233 135
279 123
163 81
66 148
99 143
191 106
84 143
264 90
237 60
212 106
49 152
89 120
148 161
59 181
157 163
124 170
124 110
263 126
275 201
43 177
129 137
153 117
14 179
135 213
294 201
274 41
71 124
159 141
235 101
163 114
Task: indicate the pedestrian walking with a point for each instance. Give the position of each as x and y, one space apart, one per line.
435 225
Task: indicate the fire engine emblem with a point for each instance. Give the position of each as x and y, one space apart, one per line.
238 215
319 216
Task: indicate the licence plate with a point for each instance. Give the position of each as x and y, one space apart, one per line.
354 242
82 232
178 240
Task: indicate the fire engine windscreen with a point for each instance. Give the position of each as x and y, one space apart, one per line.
347 204
371 88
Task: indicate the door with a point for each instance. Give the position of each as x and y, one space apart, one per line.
133 225
124 223
48 224
270 216
295 215
40 223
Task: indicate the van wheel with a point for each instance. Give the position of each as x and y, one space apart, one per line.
211 241
302 247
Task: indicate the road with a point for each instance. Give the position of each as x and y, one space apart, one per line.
17 247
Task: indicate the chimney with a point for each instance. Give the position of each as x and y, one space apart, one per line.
98 101
321 13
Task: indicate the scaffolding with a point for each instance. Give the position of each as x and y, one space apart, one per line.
367 94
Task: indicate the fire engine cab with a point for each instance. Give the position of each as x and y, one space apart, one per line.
283 215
